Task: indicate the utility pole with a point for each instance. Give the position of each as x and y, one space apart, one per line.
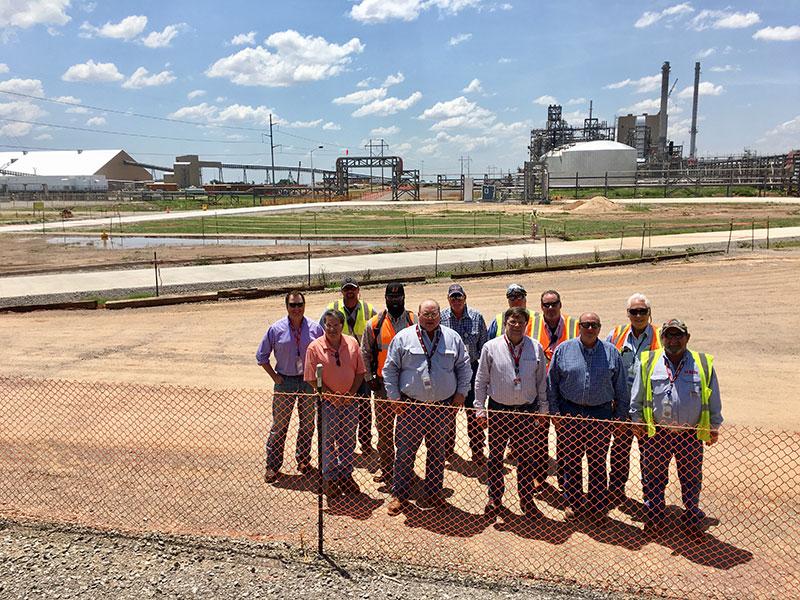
272 149
371 146
463 160
312 169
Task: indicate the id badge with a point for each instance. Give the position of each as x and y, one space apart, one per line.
666 408
299 365
426 381
517 384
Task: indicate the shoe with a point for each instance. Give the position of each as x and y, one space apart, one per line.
270 476
493 507
331 489
432 501
383 477
395 506
349 487
304 468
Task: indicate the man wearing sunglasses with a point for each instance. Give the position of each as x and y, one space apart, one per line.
470 325
356 313
631 340
342 374
288 340
587 388
427 373
675 408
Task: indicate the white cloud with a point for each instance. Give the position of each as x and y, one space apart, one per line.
473 86
361 96
305 124
706 88
380 11
295 59
650 106
459 39
162 39
388 106
331 126
401 148
197 112
195 94
92 71
387 131
725 69
4 68
142 78
96 121
31 87
43 137
127 29
24 111
240 112
778 34
576 101
393 79
705 53
790 126
244 39
503 60
722 19
27 13
77 110
670 13
641 85
365 83
545 100
458 112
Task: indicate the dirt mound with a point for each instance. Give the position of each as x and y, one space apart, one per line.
595 205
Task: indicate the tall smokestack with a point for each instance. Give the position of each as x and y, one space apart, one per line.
662 115
694 109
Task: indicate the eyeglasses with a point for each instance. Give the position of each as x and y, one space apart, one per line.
638 312
590 325
550 304
296 304
673 335
456 297
429 315
336 356
516 297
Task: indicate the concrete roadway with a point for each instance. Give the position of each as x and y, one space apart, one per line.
335 267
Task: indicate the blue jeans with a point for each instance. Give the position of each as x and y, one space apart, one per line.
292 389
418 422
589 435
338 431
657 452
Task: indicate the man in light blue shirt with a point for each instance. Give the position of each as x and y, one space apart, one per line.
586 384
427 372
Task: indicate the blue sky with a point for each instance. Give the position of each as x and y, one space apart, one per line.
436 79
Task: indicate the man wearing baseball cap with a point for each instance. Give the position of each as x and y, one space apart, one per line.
516 295
676 406
470 325
356 313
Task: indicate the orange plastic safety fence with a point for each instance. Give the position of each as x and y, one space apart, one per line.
684 519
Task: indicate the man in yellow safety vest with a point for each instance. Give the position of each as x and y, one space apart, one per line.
675 408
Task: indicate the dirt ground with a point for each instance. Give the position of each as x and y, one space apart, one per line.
742 309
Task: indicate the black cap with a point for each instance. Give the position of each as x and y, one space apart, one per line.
455 290
348 282
395 289
515 289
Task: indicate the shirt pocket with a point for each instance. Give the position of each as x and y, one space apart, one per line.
695 388
660 385
446 359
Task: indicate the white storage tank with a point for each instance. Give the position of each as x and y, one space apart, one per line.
591 159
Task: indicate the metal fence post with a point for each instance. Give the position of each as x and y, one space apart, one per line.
155 269
767 233
753 235
606 186
730 235
320 512
546 263
309 265
644 230
576 185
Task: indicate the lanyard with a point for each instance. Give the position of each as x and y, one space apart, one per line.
296 335
516 356
639 347
429 355
672 378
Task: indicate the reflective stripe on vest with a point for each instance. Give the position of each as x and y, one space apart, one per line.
705 364
621 334
387 334
361 317
542 334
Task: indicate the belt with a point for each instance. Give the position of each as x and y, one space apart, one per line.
607 404
406 398
291 376
526 408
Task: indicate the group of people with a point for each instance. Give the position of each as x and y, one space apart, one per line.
516 376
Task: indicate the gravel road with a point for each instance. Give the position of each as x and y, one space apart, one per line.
49 561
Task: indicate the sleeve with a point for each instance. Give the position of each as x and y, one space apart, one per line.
621 392
391 369
715 402
463 367
541 380
315 330
367 348
264 349
310 369
482 382
553 380
637 394
483 334
492 333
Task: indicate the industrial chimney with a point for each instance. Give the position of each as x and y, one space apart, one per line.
662 115
694 109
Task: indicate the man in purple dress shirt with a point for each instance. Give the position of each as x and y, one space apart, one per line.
288 340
